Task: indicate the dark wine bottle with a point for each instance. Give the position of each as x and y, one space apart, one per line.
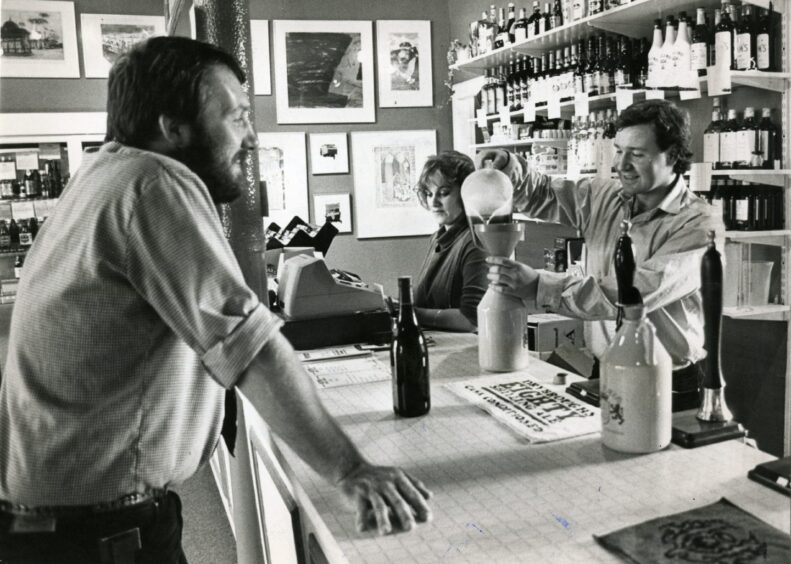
624 269
409 358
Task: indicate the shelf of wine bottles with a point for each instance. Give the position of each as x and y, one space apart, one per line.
568 21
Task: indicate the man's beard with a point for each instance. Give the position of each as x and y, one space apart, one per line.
224 185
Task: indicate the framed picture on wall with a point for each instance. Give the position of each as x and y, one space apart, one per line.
107 36
404 63
333 208
39 39
259 41
323 71
282 165
386 168
329 153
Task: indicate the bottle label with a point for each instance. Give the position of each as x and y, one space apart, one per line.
698 56
5 240
723 47
25 239
745 145
520 34
620 78
590 84
727 146
711 147
762 49
743 53
742 210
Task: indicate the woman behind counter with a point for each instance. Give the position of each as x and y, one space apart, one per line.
452 279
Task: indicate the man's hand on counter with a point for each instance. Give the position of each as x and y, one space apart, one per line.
513 278
387 499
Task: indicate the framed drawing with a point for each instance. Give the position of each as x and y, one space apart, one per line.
259 41
329 153
323 71
334 208
386 168
404 59
282 164
107 36
39 39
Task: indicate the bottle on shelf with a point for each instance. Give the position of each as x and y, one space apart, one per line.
578 9
519 30
501 39
500 91
409 358
665 74
13 232
591 68
623 70
578 67
557 18
723 41
5 236
534 21
19 262
7 189
741 208
487 29
744 48
510 21
728 140
764 42
699 52
746 137
768 141
594 7
711 135
25 236
682 74
545 24
652 78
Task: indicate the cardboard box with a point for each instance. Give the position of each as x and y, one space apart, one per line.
547 331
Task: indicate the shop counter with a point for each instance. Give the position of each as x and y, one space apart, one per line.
497 498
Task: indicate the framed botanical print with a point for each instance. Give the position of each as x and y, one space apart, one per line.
386 167
39 39
404 63
323 71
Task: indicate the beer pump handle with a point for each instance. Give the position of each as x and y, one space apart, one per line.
711 290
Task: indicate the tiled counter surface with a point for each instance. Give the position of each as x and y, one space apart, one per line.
498 498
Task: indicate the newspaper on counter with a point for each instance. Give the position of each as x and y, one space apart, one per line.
530 408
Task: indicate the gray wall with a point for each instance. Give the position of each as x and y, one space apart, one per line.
376 260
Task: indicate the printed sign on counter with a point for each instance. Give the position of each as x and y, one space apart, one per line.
27 160
530 408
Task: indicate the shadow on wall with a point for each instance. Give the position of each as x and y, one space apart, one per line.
754 367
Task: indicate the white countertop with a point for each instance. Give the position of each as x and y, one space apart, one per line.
498 498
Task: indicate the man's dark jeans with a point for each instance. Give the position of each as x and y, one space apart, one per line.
77 540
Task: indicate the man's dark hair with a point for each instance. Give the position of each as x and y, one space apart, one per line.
453 165
670 123
159 76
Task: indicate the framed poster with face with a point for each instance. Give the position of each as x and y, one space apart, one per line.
107 36
329 153
404 63
259 41
323 71
387 166
334 208
282 165
39 39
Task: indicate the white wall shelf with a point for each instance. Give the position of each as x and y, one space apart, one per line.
522 142
770 311
634 20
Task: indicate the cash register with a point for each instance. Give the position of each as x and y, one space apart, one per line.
324 308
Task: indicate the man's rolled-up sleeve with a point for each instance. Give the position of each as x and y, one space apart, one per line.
178 259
